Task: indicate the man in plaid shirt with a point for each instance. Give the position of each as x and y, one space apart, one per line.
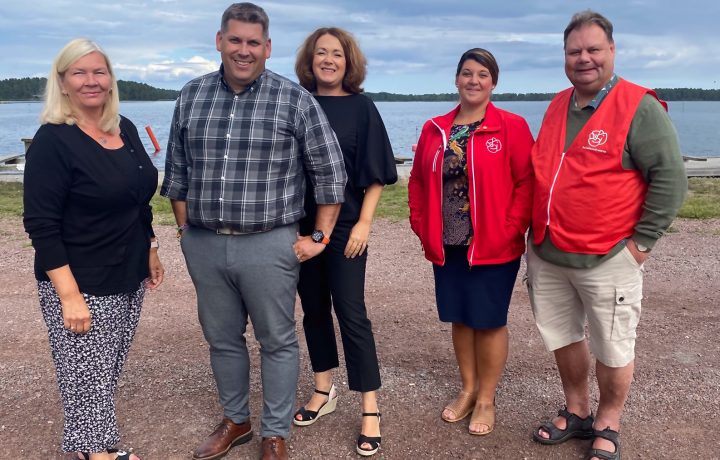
242 141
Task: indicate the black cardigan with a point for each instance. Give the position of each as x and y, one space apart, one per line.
89 207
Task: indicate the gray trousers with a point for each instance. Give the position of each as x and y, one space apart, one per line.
255 275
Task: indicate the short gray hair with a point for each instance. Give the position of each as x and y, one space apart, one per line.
586 18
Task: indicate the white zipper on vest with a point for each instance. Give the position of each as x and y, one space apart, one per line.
552 187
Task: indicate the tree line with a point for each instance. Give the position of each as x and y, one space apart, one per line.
32 89
666 94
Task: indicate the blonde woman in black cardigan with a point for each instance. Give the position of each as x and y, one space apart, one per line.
88 184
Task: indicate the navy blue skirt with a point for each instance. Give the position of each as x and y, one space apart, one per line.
477 296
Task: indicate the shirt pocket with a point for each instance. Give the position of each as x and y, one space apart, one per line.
626 316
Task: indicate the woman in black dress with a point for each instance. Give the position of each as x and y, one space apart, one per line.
331 66
88 184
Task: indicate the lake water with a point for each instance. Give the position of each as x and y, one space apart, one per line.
697 123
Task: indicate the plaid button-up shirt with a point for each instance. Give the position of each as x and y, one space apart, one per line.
239 159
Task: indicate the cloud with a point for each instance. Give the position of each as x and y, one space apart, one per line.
663 52
167 70
411 45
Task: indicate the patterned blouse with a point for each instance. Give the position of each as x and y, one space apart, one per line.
457 228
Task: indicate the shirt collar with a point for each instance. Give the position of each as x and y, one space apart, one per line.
595 103
250 87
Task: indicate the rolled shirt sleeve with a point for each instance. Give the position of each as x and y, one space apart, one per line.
322 157
175 183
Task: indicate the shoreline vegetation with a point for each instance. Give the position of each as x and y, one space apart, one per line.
702 202
30 89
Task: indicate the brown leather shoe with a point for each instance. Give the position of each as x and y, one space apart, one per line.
273 448
226 435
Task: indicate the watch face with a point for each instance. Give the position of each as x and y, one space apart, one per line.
317 236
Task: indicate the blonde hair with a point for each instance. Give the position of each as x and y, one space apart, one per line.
58 109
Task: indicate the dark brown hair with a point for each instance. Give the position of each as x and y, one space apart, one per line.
355 62
246 12
482 57
586 18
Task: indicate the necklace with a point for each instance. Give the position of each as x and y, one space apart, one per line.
97 134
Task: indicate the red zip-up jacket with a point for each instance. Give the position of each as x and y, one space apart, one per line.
500 180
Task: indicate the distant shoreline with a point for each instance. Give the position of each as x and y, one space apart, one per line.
31 89
502 97
40 101
708 167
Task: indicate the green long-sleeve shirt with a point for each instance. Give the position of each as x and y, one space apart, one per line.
652 148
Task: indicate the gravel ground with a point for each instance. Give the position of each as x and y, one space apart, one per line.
167 404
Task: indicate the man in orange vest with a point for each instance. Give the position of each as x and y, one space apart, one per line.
609 181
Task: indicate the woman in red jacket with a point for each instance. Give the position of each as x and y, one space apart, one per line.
470 197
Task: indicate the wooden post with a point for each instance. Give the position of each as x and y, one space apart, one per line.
27 141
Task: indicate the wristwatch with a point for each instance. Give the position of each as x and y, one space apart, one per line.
319 237
180 230
642 248
154 243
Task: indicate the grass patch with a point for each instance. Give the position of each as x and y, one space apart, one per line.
393 203
11 199
703 200
162 211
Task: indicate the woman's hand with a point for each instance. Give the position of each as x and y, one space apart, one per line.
357 243
157 272
76 314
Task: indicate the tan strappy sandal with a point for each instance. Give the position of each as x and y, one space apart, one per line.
461 406
483 414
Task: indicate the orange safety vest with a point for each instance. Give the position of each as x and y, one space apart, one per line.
583 196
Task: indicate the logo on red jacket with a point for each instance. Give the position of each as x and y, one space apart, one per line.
597 138
493 145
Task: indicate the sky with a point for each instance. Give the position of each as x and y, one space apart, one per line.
412 46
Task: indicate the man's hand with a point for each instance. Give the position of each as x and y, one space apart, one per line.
640 257
305 248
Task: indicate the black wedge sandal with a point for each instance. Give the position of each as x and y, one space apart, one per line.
374 441
308 417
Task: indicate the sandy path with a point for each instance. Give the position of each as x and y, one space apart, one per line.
167 402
